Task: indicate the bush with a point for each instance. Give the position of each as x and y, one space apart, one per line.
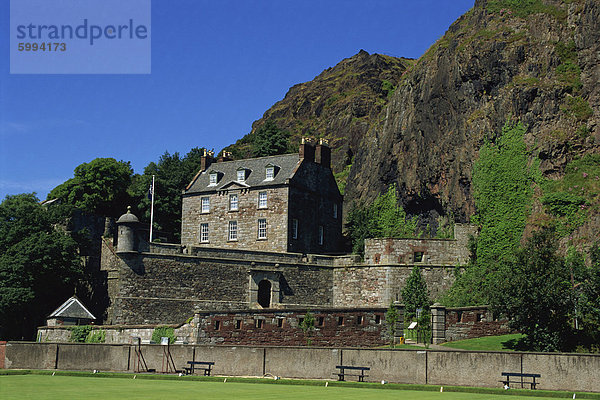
80 333
163 331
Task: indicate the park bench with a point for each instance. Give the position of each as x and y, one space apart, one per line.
193 366
342 374
521 379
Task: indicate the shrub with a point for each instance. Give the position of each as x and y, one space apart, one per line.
80 333
163 331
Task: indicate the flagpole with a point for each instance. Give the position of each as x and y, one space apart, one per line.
152 210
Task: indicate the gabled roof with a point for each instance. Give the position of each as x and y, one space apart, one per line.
72 308
255 176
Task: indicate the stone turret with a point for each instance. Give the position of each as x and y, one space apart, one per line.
127 225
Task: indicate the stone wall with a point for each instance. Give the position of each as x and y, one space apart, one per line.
333 327
247 216
378 285
473 322
313 196
151 288
438 252
571 372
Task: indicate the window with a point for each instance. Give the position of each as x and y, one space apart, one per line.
262 228
269 173
205 204
241 175
320 321
262 199
213 179
233 230
258 323
233 202
238 324
359 320
340 321
204 233
418 256
321 235
335 210
377 319
294 229
279 322
217 325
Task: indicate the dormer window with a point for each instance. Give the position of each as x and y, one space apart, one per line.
213 178
269 172
241 175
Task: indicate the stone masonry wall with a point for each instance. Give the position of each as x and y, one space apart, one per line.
160 288
441 252
377 286
246 216
473 322
333 327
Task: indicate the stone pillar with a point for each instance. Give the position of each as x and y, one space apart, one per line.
399 328
438 323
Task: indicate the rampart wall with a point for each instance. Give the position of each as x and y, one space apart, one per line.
572 372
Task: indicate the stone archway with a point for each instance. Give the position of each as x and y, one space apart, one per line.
264 293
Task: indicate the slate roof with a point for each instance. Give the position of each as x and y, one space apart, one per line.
72 308
285 167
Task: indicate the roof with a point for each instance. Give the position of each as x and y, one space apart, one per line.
72 308
285 167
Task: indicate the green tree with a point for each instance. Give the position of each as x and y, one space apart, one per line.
588 300
172 174
39 264
534 291
384 218
98 187
415 294
308 326
391 318
269 140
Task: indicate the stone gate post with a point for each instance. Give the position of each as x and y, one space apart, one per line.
438 323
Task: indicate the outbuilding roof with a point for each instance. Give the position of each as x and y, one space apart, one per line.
285 166
72 308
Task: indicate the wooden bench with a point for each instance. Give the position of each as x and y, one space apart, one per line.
342 374
192 367
521 379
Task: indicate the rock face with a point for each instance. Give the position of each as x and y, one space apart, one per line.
492 65
420 123
340 104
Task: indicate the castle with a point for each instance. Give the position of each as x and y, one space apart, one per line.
261 243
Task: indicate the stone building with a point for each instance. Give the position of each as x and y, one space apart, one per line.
283 203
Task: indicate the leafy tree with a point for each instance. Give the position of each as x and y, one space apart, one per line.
172 174
308 326
502 183
384 218
39 264
269 140
98 187
588 300
415 294
534 291
391 318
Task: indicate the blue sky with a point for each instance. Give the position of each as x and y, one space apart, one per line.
217 66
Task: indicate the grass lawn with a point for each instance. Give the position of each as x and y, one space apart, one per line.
72 387
490 343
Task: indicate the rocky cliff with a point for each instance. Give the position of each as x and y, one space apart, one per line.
420 123
538 65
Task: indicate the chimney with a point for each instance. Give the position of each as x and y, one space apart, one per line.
225 156
307 149
323 153
206 159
